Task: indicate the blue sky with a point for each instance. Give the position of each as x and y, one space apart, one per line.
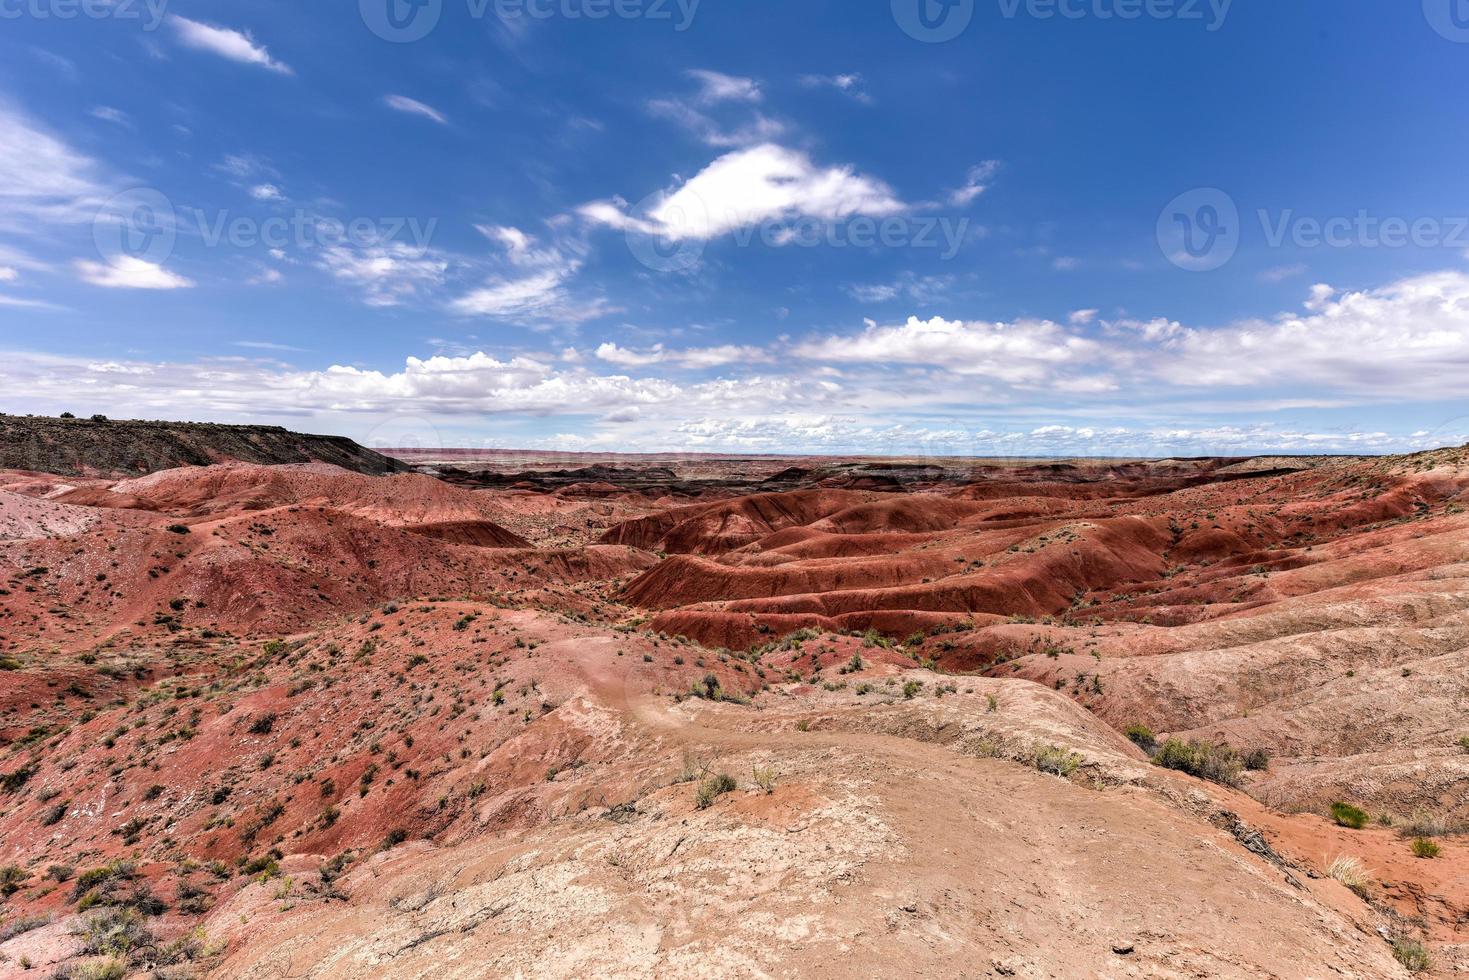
1076 226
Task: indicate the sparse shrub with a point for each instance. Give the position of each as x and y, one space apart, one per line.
1142 736
1425 824
395 837
1057 761
112 968
12 879
1464 742
1412 954
10 928
1351 873
1257 760
114 932
713 788
764 778
1204 760
1425 848
911 689
263 724
1348 816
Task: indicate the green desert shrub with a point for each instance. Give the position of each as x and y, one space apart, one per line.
713 788
1425 848
1142 736
1216 763
1348 816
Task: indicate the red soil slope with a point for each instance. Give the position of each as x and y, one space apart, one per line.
359 727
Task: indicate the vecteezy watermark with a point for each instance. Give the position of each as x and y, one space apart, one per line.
1211 13
1450 18
936 21
1202 229
143 224
150 12
405 21
676 240
933 21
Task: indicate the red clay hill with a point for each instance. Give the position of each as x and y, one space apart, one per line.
724 717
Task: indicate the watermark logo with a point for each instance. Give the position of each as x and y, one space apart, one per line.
1211 13
933 21
136 224
401 21
1200 230
142 224
150 12
668 237
1450 18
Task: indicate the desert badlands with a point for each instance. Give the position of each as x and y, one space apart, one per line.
729 717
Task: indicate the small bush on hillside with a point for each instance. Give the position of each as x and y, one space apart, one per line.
712 789
1425 824
1216 763
1257 760
1142 736
1348 816
1411 954
1425 848
1350 872
1057 761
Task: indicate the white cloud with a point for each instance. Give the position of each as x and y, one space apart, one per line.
1082 317
533 288
1065 263
43 181
920 289
266 192
402 103
1408 338
127 272
848 84
235 45
717 87
976 182
756 128
1028 352
7 274
1281 273
747 187
389 273
108 114
694 358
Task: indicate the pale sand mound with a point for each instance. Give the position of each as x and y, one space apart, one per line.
881 852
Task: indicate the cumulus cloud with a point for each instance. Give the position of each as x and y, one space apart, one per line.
1410 337
1027 352
747 187
235 45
